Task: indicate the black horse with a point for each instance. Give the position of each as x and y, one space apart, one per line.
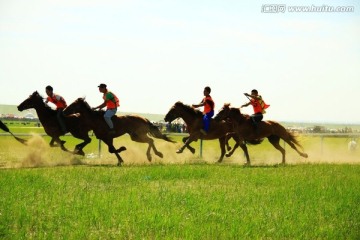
47 117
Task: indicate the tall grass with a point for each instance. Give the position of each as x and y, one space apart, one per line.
193 201
180 196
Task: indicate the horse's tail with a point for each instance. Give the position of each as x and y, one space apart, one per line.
4 127
155 132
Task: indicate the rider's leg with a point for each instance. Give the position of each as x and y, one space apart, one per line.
60 118
107 116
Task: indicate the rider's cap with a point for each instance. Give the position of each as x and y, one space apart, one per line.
102 85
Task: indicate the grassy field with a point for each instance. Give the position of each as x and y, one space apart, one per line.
49 194
193 201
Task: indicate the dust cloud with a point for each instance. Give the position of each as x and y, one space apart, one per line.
38 153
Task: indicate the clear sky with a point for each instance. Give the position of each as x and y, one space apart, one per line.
306 65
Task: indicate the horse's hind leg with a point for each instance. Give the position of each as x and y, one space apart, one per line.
275 141
145 139
292 145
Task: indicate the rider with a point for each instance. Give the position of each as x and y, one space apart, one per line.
60 103
208 112
111 102
258 104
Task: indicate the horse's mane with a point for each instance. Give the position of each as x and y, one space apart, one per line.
189 109
37 95
88 107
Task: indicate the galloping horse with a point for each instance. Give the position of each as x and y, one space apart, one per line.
193 119
137 127
245 131
47 117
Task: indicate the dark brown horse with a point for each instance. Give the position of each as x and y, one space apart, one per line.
47 117
193 119
245 131
137 127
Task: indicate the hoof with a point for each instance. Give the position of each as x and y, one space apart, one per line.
79 152
179 151
228 155
160 154
122 148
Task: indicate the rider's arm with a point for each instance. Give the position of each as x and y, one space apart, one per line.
245 105
100 106
202 103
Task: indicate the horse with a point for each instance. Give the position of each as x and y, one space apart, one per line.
47 117
245 131
193 119
137 127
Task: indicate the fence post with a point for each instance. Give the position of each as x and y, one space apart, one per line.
99 148
201 147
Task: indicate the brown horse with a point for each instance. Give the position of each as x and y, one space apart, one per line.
245 131
137 127
193 119
47 117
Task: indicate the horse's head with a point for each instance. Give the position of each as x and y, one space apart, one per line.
173 112
235 114
32 101
229 113
78 106
223 113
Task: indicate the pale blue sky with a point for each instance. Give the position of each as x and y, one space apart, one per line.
154 53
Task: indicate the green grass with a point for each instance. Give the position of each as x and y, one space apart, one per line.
49 194
198 201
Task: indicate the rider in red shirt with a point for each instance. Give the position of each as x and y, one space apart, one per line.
60 104
258 105
111 102
208 112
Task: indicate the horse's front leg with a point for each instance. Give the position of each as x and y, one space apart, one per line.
79 148
222 142
112 149
58 142
187 141
238 141
233 150
228 136
244 148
